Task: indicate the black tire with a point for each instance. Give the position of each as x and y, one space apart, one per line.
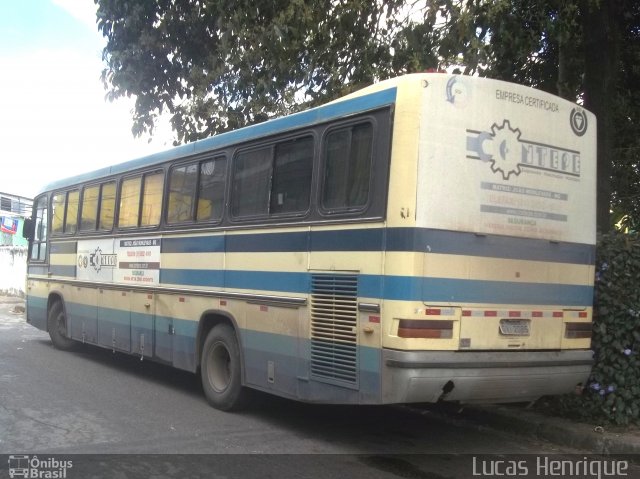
220 370
57 326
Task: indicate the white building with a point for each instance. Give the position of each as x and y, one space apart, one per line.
13 246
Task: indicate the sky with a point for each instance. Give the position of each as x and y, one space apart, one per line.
54 119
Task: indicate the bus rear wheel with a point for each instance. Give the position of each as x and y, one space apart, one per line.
220 370
57 326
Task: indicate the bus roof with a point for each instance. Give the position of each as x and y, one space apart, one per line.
352 104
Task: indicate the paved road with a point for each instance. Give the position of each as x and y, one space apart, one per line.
95 402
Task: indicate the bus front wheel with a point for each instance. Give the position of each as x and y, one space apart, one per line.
220 370
57 326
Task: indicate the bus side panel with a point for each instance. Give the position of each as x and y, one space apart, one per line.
36 301
82 314
344 355
142 323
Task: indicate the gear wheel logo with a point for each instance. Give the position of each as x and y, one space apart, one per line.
96 259
507 151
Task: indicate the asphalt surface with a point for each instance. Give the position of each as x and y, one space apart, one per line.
94 402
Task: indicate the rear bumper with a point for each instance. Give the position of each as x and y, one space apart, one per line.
481 377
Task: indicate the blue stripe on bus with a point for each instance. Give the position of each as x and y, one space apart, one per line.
390 239
194 244
260 280
278 125
63 270
65 247
40 270
493 246
447 290
403 288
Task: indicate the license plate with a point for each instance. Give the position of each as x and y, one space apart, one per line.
514 327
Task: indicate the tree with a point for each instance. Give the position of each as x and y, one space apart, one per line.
215 65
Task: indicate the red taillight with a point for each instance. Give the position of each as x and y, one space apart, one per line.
577 330
409 328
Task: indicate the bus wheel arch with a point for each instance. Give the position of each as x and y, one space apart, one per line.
57 324
221 362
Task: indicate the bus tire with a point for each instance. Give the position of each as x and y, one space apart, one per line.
220 370
57 326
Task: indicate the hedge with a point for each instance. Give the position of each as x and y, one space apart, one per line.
612 394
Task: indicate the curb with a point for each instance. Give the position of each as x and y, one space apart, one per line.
521 421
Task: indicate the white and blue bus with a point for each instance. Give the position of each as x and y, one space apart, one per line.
430 237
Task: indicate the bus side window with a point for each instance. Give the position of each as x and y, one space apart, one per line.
182 193
147 212
39 244
292 176
152 199
347 167
211 189
274 179
107 205
57 213
65 212
89 213
129 202
251 182
71 216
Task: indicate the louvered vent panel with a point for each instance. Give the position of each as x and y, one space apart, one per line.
334 314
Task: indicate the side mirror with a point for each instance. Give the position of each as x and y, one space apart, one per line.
28 229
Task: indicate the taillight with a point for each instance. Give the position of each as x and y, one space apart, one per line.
577 330
420 328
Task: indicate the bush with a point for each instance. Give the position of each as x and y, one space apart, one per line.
613 392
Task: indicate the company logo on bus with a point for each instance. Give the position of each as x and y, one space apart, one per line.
98 260
506 158
578 121
507 153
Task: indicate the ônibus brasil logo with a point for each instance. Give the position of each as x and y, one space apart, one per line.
507 153
33 467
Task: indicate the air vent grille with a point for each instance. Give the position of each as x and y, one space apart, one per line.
334 314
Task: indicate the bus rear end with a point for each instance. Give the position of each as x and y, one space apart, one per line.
503 248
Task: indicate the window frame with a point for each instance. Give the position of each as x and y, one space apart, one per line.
142 175
38 241
66 194
374 161
82 197
375 209
272 144
198 161
99 208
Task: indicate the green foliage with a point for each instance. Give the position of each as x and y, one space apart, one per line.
613 392
626 160
216 65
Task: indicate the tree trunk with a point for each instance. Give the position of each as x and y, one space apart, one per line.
602 50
